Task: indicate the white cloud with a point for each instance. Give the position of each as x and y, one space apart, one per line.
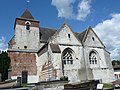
109 33
65 8
84 9
3 45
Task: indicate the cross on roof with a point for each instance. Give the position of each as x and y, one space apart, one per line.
27 2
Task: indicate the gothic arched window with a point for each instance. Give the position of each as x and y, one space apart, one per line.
67 56
93 57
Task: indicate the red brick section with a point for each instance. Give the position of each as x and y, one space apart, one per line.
21 61
22 22
48 69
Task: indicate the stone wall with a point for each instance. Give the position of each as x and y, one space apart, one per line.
11 42
103 69
104 74
70 70
26 39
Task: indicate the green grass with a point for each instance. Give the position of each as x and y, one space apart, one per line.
34 89
107 85
25 84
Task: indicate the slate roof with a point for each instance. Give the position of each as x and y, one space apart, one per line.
80 36
42 50
27 15
55 48
46 33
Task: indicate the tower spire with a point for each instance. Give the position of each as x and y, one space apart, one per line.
27 3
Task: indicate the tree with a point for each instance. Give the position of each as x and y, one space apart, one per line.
115 62
4 65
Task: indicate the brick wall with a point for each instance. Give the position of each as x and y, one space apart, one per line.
23 61
48 72
22 22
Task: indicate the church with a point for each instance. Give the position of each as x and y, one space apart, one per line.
49 54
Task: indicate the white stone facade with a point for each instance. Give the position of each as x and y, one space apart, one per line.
29 38
80 68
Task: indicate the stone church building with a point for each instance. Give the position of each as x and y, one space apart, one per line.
48 54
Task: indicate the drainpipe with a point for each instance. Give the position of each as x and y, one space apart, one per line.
62 66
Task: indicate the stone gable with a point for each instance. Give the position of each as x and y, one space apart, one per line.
91 39
65 36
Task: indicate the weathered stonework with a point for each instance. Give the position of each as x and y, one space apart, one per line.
11 42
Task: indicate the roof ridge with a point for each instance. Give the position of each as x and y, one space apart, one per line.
49 28
27 15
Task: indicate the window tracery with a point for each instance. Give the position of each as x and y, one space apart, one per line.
67 57
93 58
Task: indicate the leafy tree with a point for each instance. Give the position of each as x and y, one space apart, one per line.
115 62
4 65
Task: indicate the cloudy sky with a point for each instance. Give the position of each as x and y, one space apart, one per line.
102 15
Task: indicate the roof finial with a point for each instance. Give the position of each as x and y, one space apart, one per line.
27 2
65 22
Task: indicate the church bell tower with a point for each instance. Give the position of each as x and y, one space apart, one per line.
26 32
23 47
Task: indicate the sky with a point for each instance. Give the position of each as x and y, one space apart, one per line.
102 15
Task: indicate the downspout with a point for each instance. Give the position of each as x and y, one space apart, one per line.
62 65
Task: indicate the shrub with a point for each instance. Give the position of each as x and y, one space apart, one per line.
64 78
